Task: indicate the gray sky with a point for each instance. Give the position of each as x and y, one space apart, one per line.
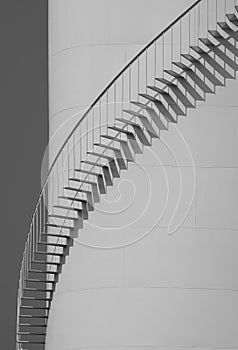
24 133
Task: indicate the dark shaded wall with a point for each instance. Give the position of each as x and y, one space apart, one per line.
23 139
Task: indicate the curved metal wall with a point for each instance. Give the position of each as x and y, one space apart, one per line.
166 290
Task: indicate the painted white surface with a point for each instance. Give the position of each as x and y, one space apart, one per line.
165 291
89 43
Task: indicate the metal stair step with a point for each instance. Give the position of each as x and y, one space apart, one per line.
33 316
53 244
154 116
49 234
213 63
232 18
50 224
94 186
70 188
31 333
83 181
174 88
111 162
118 155
101 185
161 107
88 172
209 75
90 201
68 208
72 199
124 145
169 99
32 325
197 80
46 262
62 217
138 131
223 41
49 253
225 27
100 155
34 307
105 169
219 53
34 280
131 138
145 122
30 342
35 299
187 86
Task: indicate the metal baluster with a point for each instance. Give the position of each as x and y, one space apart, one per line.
155 59
107 114
80 146
172 48
68 161
163 55
115 105
216 11
74 155
208 24
198 23
180 38
130 87
189 30
146 70
58 190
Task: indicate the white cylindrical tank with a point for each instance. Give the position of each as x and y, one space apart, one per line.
130 281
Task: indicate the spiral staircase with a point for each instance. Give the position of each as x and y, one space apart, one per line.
191 58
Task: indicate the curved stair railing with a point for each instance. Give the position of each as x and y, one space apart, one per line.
189 59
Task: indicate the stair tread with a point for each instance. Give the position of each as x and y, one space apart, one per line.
101 155
198 81
189 88
226 43
88 172
30 342
46 262
33 316
83 181
68 208
30 333
107 146
53 244
121 130
34 307
219 53
211 61
62 217
209 75
59 225
49 253
94 163
148 126
232 18
34 298
114 138
32 325
70 188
